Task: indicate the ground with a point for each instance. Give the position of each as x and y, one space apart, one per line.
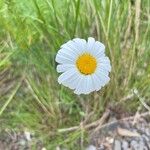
108 133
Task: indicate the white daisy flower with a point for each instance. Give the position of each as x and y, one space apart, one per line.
84 66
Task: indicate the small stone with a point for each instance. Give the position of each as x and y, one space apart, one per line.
125 145
141 145
134 145
145 148
22 142
109 140
127 133
114 125
138 126
101 147
146 138
142 127
27 136
126 125
148 144
20 136
147 131
14 147
57 148
117 145
91 147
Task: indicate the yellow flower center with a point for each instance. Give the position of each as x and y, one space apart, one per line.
86 64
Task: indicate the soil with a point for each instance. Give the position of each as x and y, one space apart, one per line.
129 133
12 140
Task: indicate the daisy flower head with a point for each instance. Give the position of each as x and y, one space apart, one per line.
84 66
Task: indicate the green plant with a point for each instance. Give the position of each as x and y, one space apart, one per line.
32 31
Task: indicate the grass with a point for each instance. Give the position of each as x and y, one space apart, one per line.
31 33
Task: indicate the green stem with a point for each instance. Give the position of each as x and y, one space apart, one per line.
10 98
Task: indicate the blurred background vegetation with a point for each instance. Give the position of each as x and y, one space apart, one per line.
31 33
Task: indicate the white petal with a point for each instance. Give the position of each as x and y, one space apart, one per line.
70 50
104 60
85 85
80 43
99 46
96 82
67 53
98 49
103 77
103 71
70 78
90 85
90 44
80 85
72 46
64 60
66 75
105 66
72 81
99 54
64 67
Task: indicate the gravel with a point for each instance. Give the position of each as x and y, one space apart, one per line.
124 142
117 145
11 140
107 138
